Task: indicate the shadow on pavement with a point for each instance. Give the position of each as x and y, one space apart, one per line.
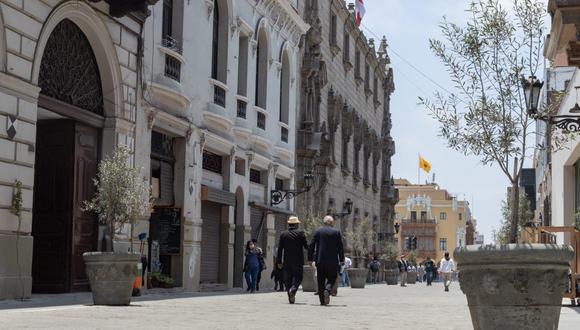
85 298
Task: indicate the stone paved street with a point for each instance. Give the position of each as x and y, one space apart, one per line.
376 307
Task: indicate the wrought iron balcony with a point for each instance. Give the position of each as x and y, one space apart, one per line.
172 68
419 221
219 96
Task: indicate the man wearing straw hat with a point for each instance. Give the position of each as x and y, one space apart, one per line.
291 256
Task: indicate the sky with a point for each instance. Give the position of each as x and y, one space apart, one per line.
408 26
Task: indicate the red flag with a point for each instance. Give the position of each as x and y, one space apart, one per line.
359 11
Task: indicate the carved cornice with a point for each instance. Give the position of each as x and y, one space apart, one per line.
123 8
283 18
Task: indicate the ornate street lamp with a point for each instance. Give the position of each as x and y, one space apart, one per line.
277 196
346 209
397 227
532 88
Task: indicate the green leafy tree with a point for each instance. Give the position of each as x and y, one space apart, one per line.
122 195
486 116
361 238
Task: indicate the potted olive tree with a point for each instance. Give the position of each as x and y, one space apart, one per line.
391 266
310 224
122 195
490 115
412 274
361 238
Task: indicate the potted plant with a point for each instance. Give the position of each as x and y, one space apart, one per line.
412 274
361 239
310 223
391 266
122 195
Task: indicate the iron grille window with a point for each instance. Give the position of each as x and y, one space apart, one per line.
442 216
167 25
242 107
284 134
172 68
212 162
413 215
261 121
423 215
443 244
215 40
255 176
162 145
219 96
332 29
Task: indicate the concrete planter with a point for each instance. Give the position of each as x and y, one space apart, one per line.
111 276
358 277
411 277
515 286
309 283
391 276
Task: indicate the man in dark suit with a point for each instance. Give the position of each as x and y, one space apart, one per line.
326 252
291 256
403 266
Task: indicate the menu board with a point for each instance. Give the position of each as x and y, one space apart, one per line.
166 229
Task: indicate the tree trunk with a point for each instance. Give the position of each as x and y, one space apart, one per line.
515 214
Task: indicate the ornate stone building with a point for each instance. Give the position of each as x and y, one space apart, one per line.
69 77
343 127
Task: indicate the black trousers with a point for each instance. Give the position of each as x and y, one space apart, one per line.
292 276
326 274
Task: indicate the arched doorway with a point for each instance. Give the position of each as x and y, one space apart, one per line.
70 115
239 238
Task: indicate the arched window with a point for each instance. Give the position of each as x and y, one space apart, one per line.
262 69
220 41
285 89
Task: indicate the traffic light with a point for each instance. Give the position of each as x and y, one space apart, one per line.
408 243
414 243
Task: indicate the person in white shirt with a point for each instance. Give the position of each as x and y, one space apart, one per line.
446 269
344 271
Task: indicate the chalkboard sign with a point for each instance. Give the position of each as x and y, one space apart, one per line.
166 228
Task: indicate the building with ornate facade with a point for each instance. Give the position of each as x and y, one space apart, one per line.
217 131
343 126
69 81
438 220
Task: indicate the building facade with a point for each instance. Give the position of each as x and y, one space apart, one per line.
438 220
69 80
218 132
343 123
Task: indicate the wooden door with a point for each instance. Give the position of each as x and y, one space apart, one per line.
85 225
52 210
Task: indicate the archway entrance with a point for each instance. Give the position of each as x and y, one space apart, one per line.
70 114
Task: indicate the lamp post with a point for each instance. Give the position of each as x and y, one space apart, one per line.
532 88
346 209
397 227
277 196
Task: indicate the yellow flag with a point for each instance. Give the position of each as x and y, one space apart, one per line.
424 164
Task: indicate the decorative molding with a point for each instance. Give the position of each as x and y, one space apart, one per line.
151 116
210 5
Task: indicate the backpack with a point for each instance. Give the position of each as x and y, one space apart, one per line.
375 266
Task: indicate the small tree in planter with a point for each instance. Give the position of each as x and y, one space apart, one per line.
391 266
361 238
310 223
122 196
412 275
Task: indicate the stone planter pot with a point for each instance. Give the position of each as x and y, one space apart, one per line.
515 286
411 277
358 277
111 276
391 276
309 283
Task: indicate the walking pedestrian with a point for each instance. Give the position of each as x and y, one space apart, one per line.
429 269
374 266
344 274
291 256
327 255
262 263
446 269
403 267
252 266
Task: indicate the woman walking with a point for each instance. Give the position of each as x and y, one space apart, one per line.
252 265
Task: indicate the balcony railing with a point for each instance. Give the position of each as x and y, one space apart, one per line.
219 96
261 120
284 134
419 221
242 109
172 68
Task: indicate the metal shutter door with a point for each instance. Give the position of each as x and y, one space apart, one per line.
210 242
258 223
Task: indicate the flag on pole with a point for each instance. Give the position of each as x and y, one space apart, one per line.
359 11
424 164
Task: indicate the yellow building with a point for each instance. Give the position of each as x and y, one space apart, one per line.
436 218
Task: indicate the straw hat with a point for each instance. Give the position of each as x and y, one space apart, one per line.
293 220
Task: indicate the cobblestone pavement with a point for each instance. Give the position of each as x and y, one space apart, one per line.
375 307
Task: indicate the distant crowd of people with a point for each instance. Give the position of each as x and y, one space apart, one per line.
428 271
